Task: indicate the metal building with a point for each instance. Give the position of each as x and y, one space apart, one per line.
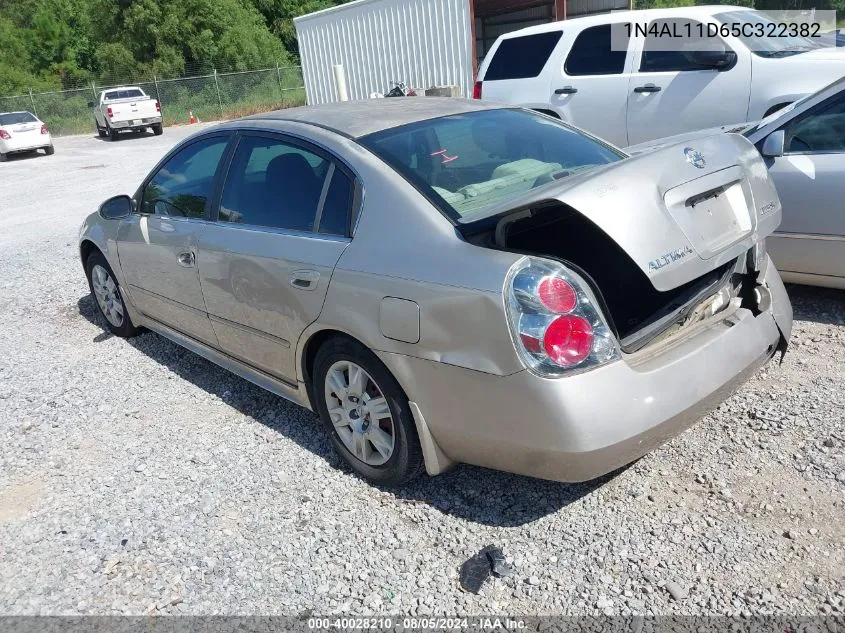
421 42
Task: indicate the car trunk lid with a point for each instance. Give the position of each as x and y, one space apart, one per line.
678 212
656 234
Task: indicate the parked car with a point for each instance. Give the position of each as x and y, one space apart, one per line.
444 281
836 37
579 70
804 149
23 132
127 108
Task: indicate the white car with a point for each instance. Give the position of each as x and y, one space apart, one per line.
23 132
581 71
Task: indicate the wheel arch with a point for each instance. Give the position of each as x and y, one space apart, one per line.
435 460
86 247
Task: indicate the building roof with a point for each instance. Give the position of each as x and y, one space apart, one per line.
359 118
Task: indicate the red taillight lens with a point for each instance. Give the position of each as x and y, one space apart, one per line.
568 340
555 320
43 129
158 107
109 113
557 295
476 90
4 134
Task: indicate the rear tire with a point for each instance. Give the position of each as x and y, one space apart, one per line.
376 423
158 129
108 296
3 157
49 150
112 134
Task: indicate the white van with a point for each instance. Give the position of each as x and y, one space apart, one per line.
578 71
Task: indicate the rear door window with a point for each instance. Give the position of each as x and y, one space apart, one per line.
522 57
273 183
592 54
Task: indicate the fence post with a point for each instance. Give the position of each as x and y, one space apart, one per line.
279 75
217 85
94 90
32 101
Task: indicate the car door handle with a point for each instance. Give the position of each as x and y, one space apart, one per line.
566 90
186 259
648 88
304 279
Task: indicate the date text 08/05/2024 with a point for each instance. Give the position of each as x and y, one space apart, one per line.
448 624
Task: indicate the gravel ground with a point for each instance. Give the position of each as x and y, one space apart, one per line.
136 477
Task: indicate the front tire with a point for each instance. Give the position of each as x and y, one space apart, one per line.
108 296
366 413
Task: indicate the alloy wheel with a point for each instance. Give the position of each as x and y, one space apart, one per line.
360 413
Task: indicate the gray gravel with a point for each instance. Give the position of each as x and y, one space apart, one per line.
136 477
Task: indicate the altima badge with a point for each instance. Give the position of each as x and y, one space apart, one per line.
694 157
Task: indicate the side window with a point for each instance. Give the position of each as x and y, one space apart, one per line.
274 184
181 187
592 54
522 57
820 130
338 204
671 43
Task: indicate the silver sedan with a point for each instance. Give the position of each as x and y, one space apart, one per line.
450 281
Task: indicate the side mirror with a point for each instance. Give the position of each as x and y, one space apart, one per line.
91 104
773 146
717 60
116 208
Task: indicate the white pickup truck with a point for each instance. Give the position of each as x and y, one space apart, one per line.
127 108
679 70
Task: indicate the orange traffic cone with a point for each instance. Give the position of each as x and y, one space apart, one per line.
193 119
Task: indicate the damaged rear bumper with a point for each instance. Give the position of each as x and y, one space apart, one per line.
583 426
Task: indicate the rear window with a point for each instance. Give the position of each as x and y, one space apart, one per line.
124 94
12 118
522 57
592 54
470 162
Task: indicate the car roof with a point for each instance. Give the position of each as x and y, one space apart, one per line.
360 118
638 16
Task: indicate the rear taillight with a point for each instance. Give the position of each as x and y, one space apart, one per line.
158 107
4 134
109 113
557 328
476 90
43 128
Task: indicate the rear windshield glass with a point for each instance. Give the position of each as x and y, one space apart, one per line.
522 57
11 118
124 94
469 162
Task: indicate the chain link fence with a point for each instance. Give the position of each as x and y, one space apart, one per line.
217 95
